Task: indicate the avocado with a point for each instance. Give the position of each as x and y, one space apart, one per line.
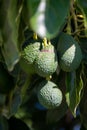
69 53
49 95
46 61
28 56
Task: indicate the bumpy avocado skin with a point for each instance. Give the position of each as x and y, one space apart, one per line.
28 56
49 95
45 64
30 52
69 52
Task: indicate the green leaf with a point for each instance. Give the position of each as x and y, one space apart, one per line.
9 24
83 44
1 40
2 99
47 16
15 103
3 123
6 80
83 4
74 85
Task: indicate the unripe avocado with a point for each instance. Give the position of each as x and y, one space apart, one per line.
69 53
28 56
46 61
49 95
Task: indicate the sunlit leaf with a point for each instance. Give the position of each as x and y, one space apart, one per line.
47 16
74 85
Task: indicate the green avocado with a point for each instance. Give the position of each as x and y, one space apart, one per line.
46 61
28 56
69 52
49 95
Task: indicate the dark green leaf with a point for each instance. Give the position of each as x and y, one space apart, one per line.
9 24
47 16
83 4
15 103
1 40
83 103
2 99
74 85
6 80
3 123
83 44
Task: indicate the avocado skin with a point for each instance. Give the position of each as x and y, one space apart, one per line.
45 64
46 61
69 53
49 95
28 56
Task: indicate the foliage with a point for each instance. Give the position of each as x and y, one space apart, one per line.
31 20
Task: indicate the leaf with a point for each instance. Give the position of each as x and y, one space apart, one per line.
1 40
83 103
3 123
15 103
47 16
83 44
56 114
9 25
2 99
74 86
83 4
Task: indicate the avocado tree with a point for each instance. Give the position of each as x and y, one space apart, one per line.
43 64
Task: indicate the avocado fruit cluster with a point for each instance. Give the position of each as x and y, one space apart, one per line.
49 95
43 59
40 60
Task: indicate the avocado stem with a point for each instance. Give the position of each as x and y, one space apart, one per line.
49 42
49 78
35 36
45 42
